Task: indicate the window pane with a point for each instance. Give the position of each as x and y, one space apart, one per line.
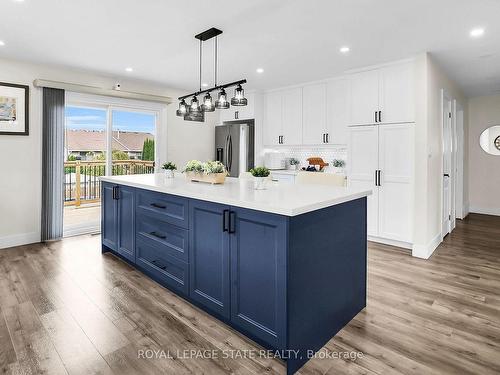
85 161
133 146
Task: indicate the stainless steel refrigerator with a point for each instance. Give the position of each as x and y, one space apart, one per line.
234 146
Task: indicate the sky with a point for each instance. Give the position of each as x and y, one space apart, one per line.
78 118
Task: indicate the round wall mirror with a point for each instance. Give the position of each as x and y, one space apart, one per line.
490 140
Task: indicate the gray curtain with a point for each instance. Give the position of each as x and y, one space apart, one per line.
52 164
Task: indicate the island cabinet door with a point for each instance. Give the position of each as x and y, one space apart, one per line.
258 274
109 223
209 256
125 241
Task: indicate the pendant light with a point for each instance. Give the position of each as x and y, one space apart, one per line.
183 109
239 97
207 102
221 102
195 106
208 105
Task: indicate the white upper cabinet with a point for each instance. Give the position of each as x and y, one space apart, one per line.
383 96
238 112
272 118
283 117
397 94
364 97
337 111
292 117
315 107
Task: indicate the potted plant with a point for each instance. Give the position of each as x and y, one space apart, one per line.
260 175
294 164
338 166
169 168
212 172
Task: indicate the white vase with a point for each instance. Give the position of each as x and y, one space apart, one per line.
169 173
259 183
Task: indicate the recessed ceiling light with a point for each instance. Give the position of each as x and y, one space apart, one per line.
204 85
344 49
477 32
260 70
2 43
130 70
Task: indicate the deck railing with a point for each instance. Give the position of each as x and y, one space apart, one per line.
81 178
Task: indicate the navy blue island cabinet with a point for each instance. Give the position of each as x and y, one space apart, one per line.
290 283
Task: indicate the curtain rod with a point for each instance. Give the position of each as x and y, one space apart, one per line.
101 91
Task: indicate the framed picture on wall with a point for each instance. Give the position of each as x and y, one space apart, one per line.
14 109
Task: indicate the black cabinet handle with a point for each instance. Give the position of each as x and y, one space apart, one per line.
376 177
379 116
225 221
446 175
116 192
327 138
232 222
157 235
378 173
376 116
157 205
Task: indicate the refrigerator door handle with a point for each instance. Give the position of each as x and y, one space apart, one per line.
230 153
226 149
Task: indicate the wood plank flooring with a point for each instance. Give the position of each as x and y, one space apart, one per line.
67 309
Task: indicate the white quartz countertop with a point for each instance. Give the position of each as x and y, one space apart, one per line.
282 199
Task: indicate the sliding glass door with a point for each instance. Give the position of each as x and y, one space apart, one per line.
100 140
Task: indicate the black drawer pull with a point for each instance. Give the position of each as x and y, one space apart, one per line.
155 262
157 235
158 205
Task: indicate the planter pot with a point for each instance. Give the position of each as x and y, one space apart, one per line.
169 173
259 183
214 178
338 170
293 167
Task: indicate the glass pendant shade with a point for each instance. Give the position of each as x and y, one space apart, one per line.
182 108
208 104
195 106
239 97
221 102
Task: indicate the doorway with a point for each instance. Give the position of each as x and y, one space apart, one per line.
448 203
103 137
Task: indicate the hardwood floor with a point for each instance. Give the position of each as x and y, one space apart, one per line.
65 308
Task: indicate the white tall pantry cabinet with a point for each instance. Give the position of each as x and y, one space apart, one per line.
381 151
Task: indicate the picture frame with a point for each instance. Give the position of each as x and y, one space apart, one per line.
14 109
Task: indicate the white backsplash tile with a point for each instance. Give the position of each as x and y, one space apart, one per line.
304 152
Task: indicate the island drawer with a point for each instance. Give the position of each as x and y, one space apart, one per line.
170 239
168 271
169 208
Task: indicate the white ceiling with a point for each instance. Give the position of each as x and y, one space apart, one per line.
293 40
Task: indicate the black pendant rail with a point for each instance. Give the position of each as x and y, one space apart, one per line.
218 87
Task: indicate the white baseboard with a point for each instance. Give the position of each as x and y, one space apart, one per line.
386 241
19 239
425 251
466 210
485 210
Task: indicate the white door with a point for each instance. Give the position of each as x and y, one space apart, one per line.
447 165
362 165
364 97
396 182
396 98
272 118
292 117
314 125
337 111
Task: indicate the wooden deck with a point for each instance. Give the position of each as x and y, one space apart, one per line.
66 308
74 216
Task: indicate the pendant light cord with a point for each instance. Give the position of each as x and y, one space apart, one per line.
200 62
215 65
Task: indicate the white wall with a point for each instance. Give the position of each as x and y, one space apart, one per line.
20 157
428 153
484 175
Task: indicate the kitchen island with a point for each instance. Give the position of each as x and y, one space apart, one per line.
285 266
